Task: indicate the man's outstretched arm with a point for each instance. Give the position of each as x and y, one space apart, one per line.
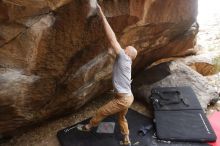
109 32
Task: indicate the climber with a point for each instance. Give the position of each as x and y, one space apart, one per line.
121 82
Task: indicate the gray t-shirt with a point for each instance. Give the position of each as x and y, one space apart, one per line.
122 73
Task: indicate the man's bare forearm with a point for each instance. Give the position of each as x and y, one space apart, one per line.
110 33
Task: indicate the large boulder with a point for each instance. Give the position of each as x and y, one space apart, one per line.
205 63
53 56
173 74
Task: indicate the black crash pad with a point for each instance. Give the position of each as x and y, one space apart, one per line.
190 100
70 136
185 125
179 115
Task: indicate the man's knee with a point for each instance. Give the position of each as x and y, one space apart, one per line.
122 118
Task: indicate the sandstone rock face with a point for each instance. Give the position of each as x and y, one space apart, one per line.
204 63
174 74
53 58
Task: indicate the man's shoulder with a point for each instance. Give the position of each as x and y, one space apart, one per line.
121 52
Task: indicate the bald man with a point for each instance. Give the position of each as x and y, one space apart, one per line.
121 82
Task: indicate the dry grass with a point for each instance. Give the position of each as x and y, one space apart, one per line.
217 64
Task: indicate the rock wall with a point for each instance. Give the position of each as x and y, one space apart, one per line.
53 58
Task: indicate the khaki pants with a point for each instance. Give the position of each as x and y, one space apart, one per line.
119 105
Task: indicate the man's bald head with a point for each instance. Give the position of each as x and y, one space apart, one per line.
131 52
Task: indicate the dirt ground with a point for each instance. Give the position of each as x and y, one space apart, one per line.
45 134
